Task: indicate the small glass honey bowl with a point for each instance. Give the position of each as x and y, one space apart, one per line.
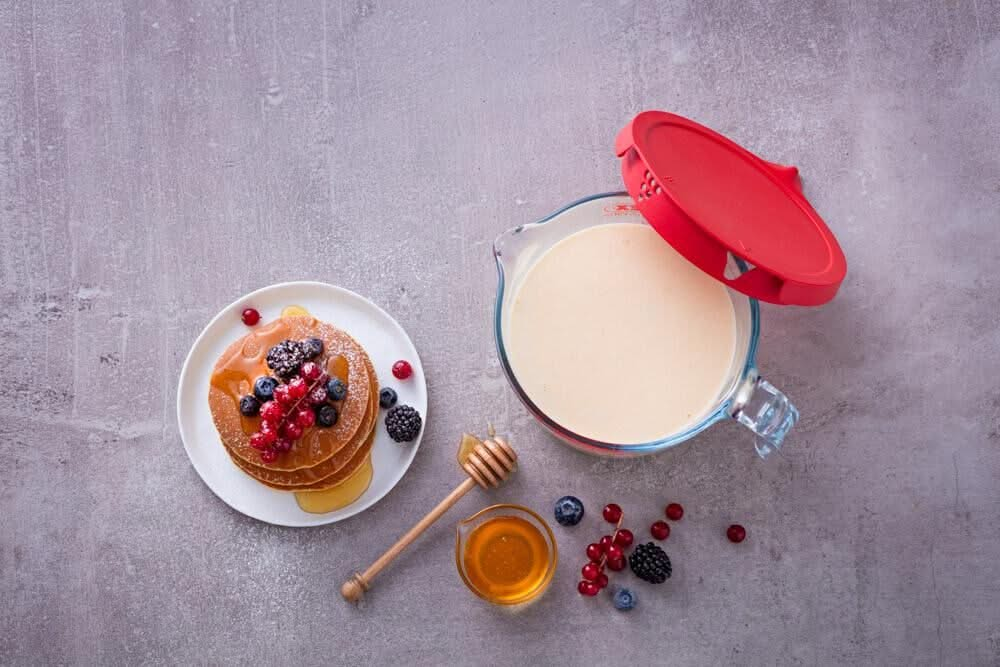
505 554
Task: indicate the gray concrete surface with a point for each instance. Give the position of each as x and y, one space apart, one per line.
158 159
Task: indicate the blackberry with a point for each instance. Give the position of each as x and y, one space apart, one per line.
650 563
568 511
285 358
312 347
403 423
387 397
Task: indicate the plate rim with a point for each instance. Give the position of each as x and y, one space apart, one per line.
323 520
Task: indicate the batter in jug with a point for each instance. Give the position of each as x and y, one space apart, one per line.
616 337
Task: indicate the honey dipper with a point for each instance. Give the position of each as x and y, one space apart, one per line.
489 463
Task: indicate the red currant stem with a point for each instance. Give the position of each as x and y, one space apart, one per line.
604 556
291 410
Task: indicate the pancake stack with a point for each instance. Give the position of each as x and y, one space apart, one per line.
323 457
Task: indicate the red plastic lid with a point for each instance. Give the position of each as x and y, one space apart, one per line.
709 197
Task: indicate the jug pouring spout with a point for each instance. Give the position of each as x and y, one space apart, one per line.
519 247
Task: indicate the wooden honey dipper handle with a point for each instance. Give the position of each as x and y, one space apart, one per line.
489 463
355 587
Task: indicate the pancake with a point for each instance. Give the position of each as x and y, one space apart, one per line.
325 474
245 360
331 471
337 477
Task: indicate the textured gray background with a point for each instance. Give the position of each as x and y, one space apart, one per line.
158 159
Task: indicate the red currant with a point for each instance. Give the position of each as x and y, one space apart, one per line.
283 395
291 430
594 552
612 513
310 371
674 512
271 412
250 316
259 441
590 571
605 542
269 455
282 445
660 530
616 565
305 417
588 588
602 580
736 533
614 552
623 538
402 369
318 396
297 388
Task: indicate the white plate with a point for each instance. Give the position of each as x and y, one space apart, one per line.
383 339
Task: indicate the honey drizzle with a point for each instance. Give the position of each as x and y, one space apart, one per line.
465 447
294 311
237 373
337 367
235 376
469 442
339 496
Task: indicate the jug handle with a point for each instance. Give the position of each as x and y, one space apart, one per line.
766 411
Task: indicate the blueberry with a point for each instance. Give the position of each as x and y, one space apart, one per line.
387 397
569 511
249 406
624 599
312 347
263 388
326 415
336 389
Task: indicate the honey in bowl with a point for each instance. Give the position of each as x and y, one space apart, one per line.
506 554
